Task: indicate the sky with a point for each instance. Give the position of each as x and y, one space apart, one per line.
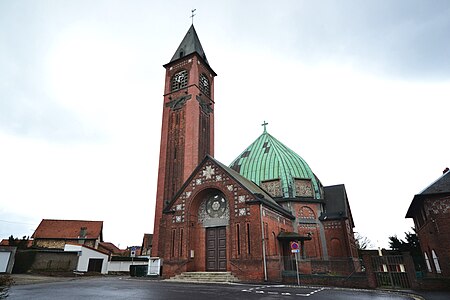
359 89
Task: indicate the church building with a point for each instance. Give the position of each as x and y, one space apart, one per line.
245 217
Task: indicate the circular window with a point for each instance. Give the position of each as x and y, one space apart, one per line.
216 205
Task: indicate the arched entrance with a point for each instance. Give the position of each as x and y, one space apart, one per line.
213 219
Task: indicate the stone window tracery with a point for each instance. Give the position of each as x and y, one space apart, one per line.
306 212
273 187
303 188
214 210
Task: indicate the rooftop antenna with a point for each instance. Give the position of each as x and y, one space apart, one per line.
192 15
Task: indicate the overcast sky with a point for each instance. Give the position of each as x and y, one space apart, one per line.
359 89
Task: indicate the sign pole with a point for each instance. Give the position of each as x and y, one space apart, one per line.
295 248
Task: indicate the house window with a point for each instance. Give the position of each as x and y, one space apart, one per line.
427 261
179 80
204 84
436 262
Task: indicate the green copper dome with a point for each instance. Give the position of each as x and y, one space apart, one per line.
267 159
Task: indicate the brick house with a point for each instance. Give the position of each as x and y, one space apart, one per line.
430 210
240 218
111 249
147 241
54 234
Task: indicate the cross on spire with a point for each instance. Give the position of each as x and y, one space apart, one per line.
264 124
192 15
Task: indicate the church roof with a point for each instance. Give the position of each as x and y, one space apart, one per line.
190 44
260 194
267 158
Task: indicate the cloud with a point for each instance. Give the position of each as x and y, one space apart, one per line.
28 112
403 39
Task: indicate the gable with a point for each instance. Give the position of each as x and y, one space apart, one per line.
211 174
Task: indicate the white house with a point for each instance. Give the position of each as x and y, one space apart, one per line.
7 259
89 259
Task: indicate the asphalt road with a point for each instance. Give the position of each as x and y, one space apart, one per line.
131 288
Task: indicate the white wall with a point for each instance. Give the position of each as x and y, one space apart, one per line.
86 254
123 266
4 260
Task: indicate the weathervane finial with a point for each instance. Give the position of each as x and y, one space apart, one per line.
192 15
265 124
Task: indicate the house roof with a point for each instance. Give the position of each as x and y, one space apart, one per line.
147 240
267 158
87 247
69 229
111 248
5 242
439 187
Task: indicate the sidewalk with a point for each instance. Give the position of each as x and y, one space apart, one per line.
22 279
435 295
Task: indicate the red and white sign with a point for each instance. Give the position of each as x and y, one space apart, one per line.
295 247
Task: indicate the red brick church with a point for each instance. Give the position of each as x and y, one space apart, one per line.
240 218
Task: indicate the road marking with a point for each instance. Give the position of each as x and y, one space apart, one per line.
270 290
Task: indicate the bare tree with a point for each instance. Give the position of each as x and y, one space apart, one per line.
362 242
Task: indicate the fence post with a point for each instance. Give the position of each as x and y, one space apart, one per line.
410 269
370 273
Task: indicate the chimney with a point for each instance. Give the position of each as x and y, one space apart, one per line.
83 232
446 170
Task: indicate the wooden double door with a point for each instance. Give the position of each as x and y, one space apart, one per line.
216 249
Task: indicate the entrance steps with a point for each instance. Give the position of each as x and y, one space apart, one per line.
204 277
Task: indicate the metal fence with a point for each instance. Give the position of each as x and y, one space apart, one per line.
333 266
390 271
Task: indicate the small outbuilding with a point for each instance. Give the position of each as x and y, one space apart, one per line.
89 259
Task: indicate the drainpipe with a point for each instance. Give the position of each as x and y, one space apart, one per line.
263 243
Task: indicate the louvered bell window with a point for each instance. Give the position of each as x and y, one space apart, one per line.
204 84
179 80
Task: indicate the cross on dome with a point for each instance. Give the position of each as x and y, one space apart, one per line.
265 124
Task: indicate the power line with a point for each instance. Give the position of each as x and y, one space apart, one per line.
17 222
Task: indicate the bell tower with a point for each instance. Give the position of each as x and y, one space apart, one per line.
187 133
